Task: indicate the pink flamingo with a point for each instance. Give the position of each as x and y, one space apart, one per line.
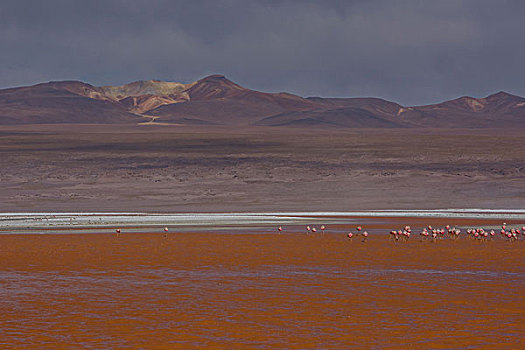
365 236
322 228
314 230
350 236
393 234
307 229
279 228
118 232
423 234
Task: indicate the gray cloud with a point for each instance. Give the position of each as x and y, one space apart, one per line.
412 52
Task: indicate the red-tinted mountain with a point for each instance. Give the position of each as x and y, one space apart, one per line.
497 110
340 117
344 112
61 102
215 100
212 87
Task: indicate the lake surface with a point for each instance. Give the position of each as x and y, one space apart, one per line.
260 291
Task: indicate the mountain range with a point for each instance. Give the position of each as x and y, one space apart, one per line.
215 100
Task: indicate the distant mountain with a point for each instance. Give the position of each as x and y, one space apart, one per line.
62 102
348 113
497 110
215 100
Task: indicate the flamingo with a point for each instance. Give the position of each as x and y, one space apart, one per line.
365 236
307 229
279 228
314 230
350 235
322 228
118 232
393 233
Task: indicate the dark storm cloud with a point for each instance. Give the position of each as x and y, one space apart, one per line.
413 52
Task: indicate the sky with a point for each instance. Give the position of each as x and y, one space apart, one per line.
410 52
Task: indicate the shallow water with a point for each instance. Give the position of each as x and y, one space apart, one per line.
262 291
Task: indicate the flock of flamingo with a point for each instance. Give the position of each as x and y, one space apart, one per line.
453 233
350 235
427 233
434 234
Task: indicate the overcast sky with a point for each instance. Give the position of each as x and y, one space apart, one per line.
411 52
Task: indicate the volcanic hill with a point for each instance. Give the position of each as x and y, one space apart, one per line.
215 100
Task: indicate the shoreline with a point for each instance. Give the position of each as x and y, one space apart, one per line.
20 223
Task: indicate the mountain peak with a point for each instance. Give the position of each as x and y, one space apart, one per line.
214 86
215 77
501 95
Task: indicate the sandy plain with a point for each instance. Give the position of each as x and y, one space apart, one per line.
60 168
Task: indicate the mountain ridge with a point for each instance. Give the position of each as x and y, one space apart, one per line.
216 100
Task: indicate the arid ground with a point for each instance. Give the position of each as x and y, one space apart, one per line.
156 168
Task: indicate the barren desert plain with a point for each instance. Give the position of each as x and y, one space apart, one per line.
173 168
227 286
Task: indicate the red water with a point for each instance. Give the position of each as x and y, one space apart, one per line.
261 291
